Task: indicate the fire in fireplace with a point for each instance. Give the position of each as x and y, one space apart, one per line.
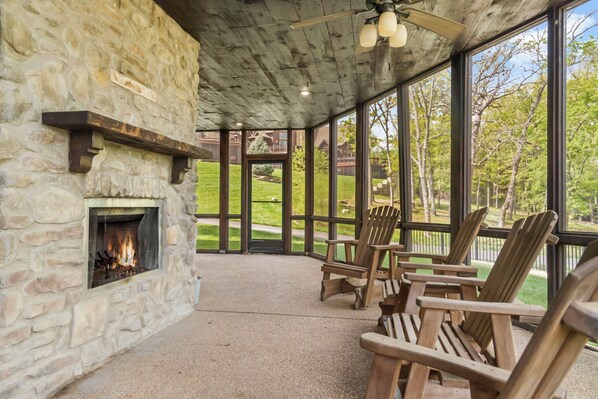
123 242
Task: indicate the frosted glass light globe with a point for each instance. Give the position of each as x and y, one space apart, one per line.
368 36
387 24
399 39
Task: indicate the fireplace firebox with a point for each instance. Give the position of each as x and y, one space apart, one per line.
123 241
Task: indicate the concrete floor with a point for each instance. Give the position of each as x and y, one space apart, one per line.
260 331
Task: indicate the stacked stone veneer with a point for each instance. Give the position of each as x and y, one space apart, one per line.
58 56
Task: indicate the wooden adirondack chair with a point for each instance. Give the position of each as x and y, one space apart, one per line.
449 264
374 242
516 258
472 338
571 318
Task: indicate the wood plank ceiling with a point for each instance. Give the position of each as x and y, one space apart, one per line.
253 66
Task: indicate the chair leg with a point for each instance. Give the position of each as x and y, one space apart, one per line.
382 382
407 295
387 310
428 335
335 286
456 315
369 289
360 295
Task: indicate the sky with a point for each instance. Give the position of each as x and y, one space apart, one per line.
522 61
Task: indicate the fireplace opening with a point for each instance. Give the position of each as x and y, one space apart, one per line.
123 242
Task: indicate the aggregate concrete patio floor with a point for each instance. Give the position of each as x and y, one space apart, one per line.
260 331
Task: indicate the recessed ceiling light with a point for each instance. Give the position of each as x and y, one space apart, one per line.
239 124
305 92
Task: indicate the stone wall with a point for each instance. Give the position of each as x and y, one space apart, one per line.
59 55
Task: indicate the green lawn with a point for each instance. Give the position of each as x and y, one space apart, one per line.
533 292
207 239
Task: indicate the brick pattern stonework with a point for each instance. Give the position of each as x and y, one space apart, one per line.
58 56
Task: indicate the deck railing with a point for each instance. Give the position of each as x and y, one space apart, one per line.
484 249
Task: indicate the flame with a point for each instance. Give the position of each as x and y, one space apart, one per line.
122 248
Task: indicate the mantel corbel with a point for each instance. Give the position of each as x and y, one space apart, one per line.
88 131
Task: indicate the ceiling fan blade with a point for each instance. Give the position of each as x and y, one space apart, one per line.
325 18
443 26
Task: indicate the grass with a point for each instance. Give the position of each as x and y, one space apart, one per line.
208 191
533 292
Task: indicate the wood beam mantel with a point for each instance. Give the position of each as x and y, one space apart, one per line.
88 130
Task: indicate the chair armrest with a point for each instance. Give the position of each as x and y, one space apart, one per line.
583 318
511 309
469 281
552 239
352 242
418 255
489 376
378 247
444 267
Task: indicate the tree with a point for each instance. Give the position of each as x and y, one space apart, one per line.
259 146
321 180
582 113
508 121
383 141
429 101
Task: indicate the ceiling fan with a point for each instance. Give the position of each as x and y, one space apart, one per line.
388 15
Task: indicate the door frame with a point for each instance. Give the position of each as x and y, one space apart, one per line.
249 161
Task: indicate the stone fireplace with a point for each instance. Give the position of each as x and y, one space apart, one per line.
97 231
123 240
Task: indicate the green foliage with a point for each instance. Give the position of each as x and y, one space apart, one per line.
321 161
430 126
582 134
298 181
259 146
321 181
299 159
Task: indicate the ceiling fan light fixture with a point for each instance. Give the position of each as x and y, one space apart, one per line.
368 36
399 39
387 24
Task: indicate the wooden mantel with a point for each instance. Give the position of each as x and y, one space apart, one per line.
88 131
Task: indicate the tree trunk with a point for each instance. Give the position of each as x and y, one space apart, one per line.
431 195
477 193
511 187
412 192
424 195
371 184
420 161
431 188
514 202
496 192
520 143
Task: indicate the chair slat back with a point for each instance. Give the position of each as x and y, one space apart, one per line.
557 342
467 233
378 227
516 258
590 252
